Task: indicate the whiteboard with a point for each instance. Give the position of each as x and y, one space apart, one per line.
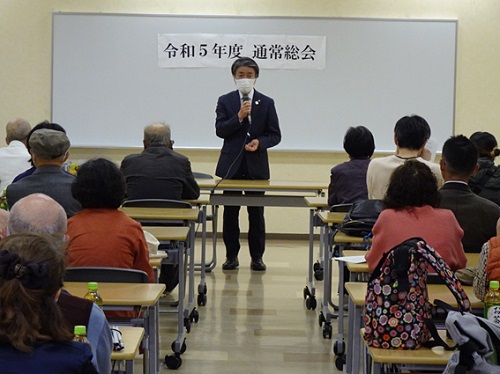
107 85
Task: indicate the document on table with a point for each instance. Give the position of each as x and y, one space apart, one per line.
353 259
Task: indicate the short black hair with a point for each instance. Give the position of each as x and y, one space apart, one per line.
99 184
460 155
412 184
359 142
486 144
412 132
245 61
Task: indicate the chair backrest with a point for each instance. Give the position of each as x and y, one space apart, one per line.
340 208
157 203
105 274
198 175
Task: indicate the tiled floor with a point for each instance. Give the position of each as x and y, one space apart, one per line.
255 322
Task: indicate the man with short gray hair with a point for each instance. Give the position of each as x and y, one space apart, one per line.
49 150
159 172
14 159
37 213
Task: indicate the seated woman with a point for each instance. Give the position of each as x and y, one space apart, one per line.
488 267
348 180
486 182
410 211
101 235
34 335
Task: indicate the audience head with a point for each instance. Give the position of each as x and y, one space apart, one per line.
411 132
459 159
49 147
157 135
99 184
486 144
31 276
43 125
412 184
17 129
244 62
359 142
498 227
37 213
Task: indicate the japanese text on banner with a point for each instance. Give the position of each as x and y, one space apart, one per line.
220 50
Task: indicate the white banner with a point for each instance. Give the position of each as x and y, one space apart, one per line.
220 50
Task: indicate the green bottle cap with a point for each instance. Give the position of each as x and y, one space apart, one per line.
80 330
495 285
92 286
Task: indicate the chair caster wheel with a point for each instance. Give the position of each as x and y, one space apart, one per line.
339 363
173 361
187 325
321 319
327 331
318 275
306 292
311 303
202 300
194 316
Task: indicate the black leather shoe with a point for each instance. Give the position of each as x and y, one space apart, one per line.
257 264
230 264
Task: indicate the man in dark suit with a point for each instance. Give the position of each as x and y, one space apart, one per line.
49 150
248 123
477 216
159 172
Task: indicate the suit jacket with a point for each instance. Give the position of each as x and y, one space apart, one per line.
477 216
264 127
49 180
159 173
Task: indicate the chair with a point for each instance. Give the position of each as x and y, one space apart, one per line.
105 274
198 175
210 217
340 207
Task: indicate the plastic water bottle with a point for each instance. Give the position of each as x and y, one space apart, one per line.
81 334
93 294
492 303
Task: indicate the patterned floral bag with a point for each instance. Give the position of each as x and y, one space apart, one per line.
397 304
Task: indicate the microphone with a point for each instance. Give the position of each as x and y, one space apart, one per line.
245 97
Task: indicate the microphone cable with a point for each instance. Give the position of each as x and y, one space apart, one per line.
247 136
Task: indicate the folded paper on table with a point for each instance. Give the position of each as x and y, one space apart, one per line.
353 259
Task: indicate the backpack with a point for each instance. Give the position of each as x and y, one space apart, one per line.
397 302
361 217
478 342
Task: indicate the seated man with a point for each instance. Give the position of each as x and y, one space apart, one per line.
49 150
15 157
40 214
159 172
477 216
410 136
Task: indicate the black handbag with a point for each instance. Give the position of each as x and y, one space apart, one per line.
361 218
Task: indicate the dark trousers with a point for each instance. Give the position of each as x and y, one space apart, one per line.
256 222
256 229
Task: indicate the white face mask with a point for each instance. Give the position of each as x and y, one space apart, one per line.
244 85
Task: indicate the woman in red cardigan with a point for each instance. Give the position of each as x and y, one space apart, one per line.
411 210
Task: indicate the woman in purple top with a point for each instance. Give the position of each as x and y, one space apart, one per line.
348 180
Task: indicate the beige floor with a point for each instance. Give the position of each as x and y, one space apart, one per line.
255 322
